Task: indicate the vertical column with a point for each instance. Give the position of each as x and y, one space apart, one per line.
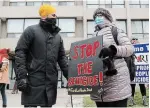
129 32
84 20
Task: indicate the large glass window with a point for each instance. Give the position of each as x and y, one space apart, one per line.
54 3
90 28
13 4
140 30
29 22
62 3
122 25
67 27
15 27
39 3
21 3
70 3
46 2
105 3
30 3
139 3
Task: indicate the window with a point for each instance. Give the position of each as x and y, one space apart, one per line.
46 2
29 22
105 3
54 3
66 3
70 3
37 3
92 3
21 3
13 4
17 4
117 3
15 27
90 28
62 3
136 26
139 3
30 3
122 25
67 27
140 30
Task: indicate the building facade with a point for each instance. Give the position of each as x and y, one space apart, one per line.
74 19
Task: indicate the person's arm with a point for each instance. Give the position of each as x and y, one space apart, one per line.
62 60
125 48
4 66
21 53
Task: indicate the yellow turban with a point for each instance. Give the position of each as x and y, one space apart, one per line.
46 9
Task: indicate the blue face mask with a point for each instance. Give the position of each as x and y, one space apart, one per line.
99 20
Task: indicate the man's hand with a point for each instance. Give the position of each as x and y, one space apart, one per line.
23 85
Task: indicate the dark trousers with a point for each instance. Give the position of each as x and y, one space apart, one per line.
3 93
120 103
142 89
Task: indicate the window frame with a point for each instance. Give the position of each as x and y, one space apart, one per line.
67 32
143 33
24 19
108 4
140 5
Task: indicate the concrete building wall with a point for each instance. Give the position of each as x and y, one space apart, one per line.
4 29
79 28
80 12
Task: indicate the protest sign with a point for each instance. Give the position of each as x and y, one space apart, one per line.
142 63
85 67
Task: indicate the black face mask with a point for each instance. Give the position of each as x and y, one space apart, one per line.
49 24
51 21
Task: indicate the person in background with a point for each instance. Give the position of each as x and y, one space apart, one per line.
142 86
116 85
4 79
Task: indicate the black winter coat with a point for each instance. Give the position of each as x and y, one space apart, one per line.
37 54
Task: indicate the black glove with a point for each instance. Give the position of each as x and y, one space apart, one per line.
107 55
22 85
108 52
110 65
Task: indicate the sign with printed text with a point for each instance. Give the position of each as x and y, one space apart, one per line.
142 63
85 67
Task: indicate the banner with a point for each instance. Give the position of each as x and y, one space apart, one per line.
85 67
142 63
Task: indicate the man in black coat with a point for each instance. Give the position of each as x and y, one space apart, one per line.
38 51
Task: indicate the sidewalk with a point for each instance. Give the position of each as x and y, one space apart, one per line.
63 99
